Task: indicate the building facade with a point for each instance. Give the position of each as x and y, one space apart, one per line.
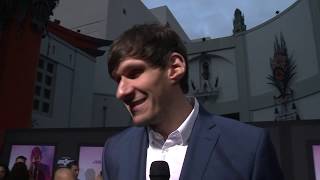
230 76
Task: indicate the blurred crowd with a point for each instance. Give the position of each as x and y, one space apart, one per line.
66 169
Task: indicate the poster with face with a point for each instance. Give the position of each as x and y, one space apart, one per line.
39 159
316 160
90 162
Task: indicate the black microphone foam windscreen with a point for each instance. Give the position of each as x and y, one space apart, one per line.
159 170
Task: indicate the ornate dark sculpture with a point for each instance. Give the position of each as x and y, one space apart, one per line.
238 22
283 71
205 87
41 11
18 9
205 75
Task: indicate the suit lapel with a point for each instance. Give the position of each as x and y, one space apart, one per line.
202 142
136 156
143 155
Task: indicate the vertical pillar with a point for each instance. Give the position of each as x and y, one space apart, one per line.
19 53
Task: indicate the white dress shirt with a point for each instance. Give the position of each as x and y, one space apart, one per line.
173 149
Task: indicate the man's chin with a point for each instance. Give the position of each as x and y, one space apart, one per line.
140 122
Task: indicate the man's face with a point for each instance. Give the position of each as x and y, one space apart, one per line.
20 160
75 170
2 172
143 89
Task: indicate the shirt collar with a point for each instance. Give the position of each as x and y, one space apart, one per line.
182 134
187 125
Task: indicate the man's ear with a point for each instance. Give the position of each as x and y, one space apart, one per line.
177 67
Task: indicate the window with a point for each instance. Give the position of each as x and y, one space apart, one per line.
40 64
50 68
47 93
48 80
43 94
39 77
38 90
35 104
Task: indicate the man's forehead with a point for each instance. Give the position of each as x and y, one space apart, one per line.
75 166
20 160
130 61
126 63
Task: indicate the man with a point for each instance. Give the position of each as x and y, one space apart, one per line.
64 174
74 167
69 163
4 171
149 64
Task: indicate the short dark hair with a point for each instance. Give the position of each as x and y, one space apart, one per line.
21 157
153 43
19 171
72 163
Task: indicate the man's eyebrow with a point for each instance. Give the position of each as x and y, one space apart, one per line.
128 67
124 68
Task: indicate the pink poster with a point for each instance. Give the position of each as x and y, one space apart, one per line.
316 160
90 162
39 159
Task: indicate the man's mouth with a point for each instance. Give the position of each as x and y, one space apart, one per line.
134 106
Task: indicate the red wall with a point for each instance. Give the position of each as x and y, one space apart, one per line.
19 53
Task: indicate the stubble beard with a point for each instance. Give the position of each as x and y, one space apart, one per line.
145 121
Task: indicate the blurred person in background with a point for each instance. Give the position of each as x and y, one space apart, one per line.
4 171
21 159
38 170
74 167
19 171
99 176
64 174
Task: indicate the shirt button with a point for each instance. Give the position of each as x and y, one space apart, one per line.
164 150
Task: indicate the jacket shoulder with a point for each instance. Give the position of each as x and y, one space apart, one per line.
126 135
235 126
230 126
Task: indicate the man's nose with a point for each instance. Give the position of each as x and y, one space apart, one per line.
124 90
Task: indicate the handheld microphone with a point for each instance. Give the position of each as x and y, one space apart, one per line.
159 170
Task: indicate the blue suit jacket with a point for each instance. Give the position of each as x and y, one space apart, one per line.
219 149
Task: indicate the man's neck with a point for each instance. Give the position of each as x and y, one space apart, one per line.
176 113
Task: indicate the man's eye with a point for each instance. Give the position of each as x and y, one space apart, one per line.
135 73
